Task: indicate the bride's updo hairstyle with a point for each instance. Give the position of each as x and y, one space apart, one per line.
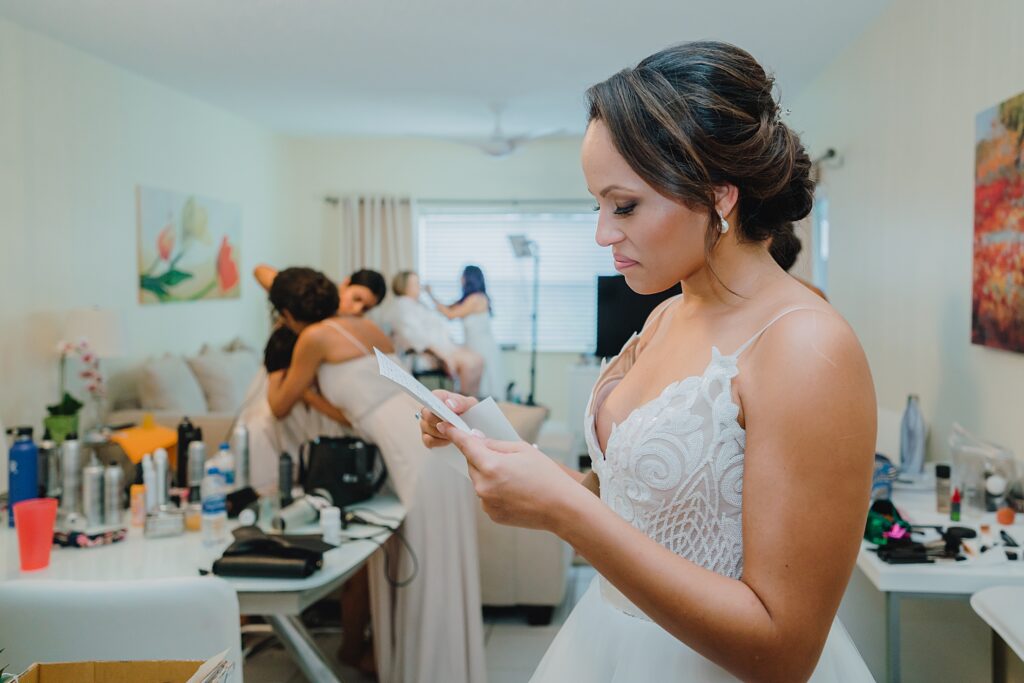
700 115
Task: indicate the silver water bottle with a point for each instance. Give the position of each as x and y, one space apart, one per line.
239 445
71 476
92 492
113 490
48 479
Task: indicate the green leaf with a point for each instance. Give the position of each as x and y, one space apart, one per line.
152 284
69 405
173 277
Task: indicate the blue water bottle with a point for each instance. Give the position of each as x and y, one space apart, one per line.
23 466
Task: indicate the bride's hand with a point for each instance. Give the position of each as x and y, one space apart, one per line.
459 404
517 484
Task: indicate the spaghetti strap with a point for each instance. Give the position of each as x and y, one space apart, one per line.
774 320
337 326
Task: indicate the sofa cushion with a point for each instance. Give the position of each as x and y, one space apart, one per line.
527 420
167 383
225 377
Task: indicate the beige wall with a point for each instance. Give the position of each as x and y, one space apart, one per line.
76 136
899 105
431 169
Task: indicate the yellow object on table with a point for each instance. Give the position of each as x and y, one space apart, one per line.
137 441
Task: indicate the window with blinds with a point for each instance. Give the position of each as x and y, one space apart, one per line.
451 238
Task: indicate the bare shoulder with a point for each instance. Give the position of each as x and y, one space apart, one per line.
809 360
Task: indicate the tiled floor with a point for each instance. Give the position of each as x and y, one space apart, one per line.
513 648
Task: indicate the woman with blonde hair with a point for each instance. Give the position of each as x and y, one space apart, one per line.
417 328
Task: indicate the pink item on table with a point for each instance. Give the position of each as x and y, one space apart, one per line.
33 521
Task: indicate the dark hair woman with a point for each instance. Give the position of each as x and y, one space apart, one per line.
474 310
336 353
744 402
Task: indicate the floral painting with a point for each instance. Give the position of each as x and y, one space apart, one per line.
188 247
997 310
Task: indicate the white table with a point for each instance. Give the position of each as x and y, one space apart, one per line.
280 601
952 580
1002 608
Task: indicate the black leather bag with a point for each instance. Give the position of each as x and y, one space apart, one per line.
350 469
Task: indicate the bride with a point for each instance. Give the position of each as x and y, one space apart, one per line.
743 412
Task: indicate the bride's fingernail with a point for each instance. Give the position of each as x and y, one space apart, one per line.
442 428
450 403
477 432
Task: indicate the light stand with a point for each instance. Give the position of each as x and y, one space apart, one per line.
524 247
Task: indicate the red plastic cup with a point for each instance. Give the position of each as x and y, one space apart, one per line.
34 520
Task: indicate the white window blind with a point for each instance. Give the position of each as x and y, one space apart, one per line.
570 261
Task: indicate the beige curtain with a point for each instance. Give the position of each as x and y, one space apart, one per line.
369 232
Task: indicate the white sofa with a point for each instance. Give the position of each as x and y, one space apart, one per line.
525 567
208 388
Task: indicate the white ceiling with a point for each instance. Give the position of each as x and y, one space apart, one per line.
428 67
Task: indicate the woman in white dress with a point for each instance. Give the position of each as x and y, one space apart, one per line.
417 327
426 615
474 309
740 415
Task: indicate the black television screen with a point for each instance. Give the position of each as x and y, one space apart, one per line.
621 312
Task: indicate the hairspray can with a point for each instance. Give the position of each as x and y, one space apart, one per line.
160 472
240 449
196 463
284 479
71 476
113 488
92 492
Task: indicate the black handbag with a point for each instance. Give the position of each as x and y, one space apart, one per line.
350 469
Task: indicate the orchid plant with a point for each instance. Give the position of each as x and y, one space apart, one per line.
90 374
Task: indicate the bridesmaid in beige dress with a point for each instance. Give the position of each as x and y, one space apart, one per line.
426 612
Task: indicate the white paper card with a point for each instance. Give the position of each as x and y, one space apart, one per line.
410 385
488 418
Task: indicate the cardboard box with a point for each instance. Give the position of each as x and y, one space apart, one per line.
211 670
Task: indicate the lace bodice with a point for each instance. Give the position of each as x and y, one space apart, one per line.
674 467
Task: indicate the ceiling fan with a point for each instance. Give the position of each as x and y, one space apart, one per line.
499 145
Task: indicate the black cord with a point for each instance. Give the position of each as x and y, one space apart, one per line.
395 583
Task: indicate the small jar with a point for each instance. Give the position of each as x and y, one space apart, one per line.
942 488
137 502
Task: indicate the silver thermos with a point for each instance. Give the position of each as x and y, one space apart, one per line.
49 470
92 492
71 476
113 491
239 445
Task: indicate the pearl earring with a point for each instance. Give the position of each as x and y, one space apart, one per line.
724 227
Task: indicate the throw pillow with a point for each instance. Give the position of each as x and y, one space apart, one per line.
527 420
167 383
225 377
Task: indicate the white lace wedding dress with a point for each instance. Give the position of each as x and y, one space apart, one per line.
673 469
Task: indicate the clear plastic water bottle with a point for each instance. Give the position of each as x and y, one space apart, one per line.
912 438
226 464
213 495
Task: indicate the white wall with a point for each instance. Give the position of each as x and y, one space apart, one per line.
899 105
431 169
76 136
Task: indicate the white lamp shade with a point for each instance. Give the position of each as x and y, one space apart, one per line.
101 328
